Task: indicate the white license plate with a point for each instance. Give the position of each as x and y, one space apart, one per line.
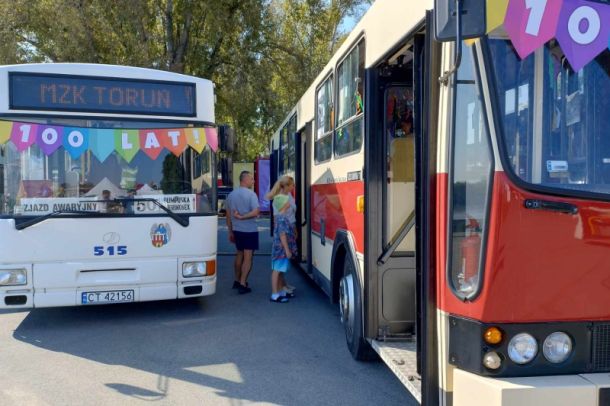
113 296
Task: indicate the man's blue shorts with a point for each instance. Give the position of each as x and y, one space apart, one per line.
280 265
246 240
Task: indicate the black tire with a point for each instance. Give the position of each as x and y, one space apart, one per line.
351 316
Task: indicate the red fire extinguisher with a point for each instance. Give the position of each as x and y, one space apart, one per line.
471 248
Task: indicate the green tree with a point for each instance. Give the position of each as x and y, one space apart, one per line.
261 54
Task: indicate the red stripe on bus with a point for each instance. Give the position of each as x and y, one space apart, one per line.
541 265
335 204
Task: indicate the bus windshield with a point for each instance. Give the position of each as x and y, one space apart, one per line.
555 122
35 182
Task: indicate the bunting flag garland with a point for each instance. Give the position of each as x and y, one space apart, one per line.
174 140
5 131
583 31
103 142
582 27
196 138
496 11
23 135
127 143
212 138
76 141
49 138
150 144
531 24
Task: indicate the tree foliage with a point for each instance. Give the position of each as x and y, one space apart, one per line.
261 54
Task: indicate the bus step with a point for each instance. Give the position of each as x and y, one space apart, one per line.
401 357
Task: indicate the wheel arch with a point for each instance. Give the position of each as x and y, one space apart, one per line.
343 244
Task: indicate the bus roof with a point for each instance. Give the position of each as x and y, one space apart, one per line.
203 111
384 25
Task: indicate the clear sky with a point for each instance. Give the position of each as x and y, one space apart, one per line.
350 22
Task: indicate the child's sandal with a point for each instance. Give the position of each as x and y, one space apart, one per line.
279 299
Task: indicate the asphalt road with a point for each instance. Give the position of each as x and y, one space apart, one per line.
222 350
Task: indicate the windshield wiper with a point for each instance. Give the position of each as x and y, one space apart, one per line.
39 219
182 221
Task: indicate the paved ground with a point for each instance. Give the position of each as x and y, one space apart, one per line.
223 350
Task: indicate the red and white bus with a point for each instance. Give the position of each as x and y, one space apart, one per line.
455 196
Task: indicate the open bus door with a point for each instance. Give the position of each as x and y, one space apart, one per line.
400 309
303 140
393 103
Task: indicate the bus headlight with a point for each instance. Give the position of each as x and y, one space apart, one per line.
522 348
557 347
11 277
193 269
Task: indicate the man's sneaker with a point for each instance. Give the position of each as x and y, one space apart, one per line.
289 288
243 289
236 285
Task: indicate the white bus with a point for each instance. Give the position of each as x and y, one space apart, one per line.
107 185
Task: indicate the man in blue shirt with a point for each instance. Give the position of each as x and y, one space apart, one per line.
242 210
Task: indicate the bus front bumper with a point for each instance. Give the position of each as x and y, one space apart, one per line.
88 282
560 390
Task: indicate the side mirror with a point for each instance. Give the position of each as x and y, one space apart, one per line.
227 138
472 19
226 171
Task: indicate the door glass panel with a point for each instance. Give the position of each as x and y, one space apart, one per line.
472 170
400 158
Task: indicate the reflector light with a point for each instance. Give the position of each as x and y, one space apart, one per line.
492 335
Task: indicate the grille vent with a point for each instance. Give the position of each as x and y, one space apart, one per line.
601 347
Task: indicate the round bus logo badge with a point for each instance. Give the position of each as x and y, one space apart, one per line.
160 234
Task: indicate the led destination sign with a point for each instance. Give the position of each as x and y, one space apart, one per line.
32 91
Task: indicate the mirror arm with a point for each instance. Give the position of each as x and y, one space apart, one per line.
458 38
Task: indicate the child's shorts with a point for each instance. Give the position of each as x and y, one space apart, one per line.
280 265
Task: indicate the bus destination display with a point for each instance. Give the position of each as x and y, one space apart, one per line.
31 91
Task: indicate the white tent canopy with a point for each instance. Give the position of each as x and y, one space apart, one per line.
106 184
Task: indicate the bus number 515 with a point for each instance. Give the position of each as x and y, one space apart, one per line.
100 250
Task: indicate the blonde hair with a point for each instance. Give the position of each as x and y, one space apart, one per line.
281 183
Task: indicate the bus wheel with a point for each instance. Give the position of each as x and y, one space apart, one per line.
350 307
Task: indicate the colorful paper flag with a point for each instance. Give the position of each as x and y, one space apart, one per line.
496 12
5 131
126 143
49 138
174 140
101 143
196 138
150 143
211 135
531 23
23 135
583 31
76 141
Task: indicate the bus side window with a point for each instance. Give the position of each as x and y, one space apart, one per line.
350 104
324 121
